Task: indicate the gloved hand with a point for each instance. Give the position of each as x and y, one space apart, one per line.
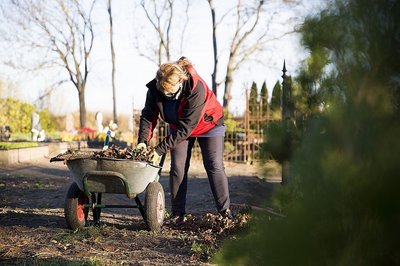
155 158
140 147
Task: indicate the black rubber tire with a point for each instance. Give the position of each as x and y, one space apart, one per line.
154 206
74 211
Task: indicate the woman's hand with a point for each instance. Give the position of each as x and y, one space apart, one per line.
140 147
155 158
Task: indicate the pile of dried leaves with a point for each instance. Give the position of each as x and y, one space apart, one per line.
213 224
113 152
72 155
205 233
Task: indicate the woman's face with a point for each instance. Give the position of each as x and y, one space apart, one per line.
174 89
174 92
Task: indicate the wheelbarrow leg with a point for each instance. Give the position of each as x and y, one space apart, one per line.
140 207
86 212
96 210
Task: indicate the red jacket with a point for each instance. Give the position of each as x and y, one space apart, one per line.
198 112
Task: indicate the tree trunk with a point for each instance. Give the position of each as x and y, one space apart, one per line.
82 107
115 118
168 25
228 87
215 55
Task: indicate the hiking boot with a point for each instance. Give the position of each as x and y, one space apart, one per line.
178 218
226 214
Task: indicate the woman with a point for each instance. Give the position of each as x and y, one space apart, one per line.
181 98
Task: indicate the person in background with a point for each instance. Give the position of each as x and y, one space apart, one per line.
182 99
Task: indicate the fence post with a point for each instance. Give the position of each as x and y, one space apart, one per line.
246 128
286 118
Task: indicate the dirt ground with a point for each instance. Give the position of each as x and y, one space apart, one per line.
33 229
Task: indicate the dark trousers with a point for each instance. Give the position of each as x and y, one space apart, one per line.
212 149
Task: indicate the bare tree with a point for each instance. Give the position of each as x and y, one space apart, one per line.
115 117
215 47
61 30
157 45
248 38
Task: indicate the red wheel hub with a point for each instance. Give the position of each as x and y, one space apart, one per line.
80 209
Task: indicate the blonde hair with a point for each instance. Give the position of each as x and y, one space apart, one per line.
171 74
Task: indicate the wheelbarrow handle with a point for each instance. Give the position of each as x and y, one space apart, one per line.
161 164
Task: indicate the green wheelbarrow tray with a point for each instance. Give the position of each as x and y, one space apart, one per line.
119 176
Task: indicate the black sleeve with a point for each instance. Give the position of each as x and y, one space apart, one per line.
188 120
148 118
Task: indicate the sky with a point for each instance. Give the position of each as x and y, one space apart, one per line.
133 71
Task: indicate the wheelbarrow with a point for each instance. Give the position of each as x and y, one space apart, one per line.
93 177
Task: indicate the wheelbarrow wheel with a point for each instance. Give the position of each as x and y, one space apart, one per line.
154 206
74 209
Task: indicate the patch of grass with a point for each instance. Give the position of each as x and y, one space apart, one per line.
91 261
21 136
79 235
39 186
202 249
17 145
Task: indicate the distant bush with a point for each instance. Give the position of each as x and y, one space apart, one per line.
229 122
17 114
47 121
